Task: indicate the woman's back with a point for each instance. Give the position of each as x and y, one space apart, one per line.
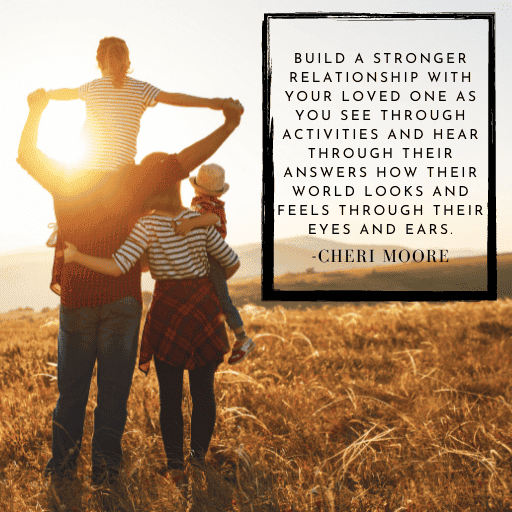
172 256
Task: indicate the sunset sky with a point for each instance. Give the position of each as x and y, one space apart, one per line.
200 48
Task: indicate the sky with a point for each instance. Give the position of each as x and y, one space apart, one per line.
199 48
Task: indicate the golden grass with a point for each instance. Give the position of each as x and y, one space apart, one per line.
459 274
389 407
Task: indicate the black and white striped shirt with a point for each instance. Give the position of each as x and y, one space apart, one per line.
172 256
112 121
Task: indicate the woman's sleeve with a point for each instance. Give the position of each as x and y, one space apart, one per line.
219 249
133 247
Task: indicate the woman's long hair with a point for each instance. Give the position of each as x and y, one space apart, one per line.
114 59
168 199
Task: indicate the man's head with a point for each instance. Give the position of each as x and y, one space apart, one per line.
167 199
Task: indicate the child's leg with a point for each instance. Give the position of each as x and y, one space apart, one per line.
218 278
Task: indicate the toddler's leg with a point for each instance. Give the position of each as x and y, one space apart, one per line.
244 345
218 278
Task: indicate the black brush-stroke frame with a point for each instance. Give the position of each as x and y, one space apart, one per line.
268 291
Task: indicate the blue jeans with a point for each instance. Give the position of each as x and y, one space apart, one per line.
218 278
108 334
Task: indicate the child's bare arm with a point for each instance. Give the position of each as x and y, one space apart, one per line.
185 100
202 221
63 94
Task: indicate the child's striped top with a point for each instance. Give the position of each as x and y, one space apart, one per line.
172 256
112 121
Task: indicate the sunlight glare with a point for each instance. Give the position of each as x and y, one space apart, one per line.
59 134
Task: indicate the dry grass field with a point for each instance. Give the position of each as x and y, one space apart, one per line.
386 407
459 274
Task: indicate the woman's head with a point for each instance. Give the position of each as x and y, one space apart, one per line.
113 59
168 199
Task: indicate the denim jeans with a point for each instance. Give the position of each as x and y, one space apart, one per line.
218 278
108 334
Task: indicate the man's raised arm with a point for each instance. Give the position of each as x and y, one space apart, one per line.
160 170
199 152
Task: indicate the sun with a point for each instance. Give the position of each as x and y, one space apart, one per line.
59 131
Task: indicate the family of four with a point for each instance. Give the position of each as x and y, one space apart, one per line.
114 219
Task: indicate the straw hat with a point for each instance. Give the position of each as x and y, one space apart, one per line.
210 180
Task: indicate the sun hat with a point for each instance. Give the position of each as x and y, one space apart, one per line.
210 180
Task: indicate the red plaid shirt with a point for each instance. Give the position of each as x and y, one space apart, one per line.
96 211
211 204
184 326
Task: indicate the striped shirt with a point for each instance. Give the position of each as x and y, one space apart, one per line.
112 120
172 256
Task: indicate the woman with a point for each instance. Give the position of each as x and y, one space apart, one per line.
184 327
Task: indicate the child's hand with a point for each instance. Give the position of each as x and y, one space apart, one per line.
69 252
233 111
183 227
38 100
233 105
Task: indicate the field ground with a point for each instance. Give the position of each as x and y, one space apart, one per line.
459 274
385 407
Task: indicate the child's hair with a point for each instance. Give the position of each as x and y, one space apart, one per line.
114 59
168 199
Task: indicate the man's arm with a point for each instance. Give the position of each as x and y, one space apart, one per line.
160 170
184 100
63 94
202 150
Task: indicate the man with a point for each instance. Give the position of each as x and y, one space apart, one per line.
100 315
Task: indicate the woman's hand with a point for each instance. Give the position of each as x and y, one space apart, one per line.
183 227
70 252
231 271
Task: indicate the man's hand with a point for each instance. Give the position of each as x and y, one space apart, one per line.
38 100
217 103
144 262
233 111
69 252
232 104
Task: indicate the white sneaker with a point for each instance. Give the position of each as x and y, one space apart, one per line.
241 350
